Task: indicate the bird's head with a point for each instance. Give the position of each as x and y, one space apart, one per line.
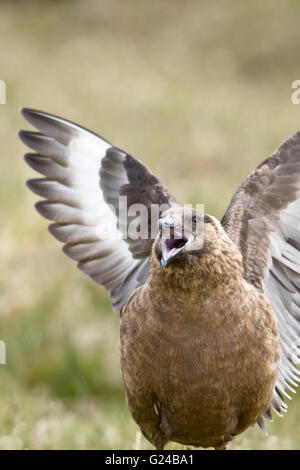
185 235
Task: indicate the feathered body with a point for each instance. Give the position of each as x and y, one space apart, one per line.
199 350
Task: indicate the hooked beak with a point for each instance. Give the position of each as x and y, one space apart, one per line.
173 241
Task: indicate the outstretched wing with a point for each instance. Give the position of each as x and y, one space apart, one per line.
83 178
263 219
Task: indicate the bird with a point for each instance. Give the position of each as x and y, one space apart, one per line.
209 310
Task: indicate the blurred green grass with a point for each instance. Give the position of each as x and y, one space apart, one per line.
201 92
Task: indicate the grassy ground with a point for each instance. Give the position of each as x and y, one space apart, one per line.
201 91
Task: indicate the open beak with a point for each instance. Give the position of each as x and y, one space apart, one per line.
173 241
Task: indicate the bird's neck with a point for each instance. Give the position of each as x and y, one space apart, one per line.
196 279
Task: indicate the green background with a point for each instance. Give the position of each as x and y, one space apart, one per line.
201 92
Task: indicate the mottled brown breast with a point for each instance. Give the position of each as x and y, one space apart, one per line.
198 371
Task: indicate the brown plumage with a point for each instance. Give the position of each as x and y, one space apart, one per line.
210 332
199 347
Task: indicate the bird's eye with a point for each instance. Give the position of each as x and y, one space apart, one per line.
195 219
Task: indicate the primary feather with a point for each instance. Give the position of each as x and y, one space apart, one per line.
83 174
263 219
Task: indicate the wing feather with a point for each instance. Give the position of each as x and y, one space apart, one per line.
77 194
263 219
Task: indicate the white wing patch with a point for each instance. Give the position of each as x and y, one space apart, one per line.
281 284
70 159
